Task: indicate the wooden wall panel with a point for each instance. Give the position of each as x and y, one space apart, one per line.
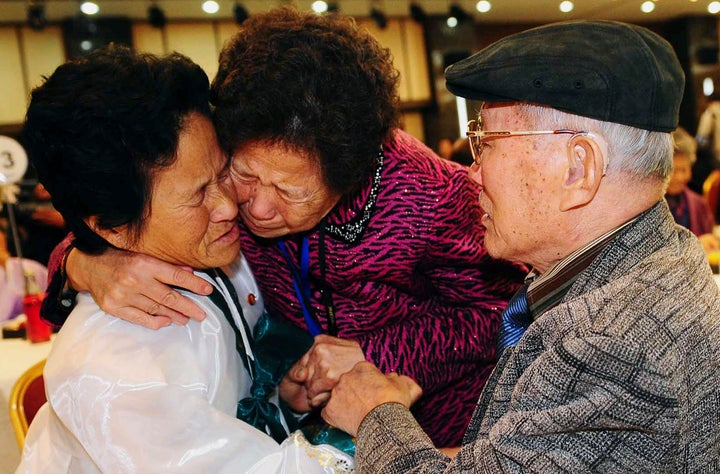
27 55
42 53
196 40
416 63
404 38
225 31
13 95
391 37
148 39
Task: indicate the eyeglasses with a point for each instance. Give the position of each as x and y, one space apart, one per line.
477 137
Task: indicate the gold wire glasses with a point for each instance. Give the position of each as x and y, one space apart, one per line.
477 137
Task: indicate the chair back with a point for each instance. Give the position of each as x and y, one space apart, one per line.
26 398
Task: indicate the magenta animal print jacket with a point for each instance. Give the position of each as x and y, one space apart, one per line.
409 277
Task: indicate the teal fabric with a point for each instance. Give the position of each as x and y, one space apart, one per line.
278 345
259 412
255 409
319 432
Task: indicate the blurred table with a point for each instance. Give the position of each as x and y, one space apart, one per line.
16 356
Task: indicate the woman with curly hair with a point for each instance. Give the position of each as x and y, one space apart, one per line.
356 232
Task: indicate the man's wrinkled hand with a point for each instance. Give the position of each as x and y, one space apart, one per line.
361 390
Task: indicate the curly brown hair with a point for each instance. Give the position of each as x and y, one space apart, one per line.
316 84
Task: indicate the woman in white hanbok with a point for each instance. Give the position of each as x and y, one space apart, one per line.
125 145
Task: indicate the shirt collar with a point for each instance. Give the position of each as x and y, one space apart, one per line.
547 290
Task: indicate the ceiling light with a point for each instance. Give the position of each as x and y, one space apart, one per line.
713 7
210 6
89 8
156 16
240 13
566 6
379 18
647 7
417 12
319 6
452 22
483 6
708 86
36 15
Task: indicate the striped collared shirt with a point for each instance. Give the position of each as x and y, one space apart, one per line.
547 290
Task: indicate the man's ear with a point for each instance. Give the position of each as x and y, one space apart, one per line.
116 236
585 169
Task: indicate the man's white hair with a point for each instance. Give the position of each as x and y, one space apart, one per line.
643 153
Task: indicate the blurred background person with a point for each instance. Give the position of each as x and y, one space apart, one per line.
40 226
708 131
444 148
705 172
689 209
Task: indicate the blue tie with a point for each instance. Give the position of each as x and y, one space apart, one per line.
515 320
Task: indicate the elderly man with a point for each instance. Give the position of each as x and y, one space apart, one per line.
618 370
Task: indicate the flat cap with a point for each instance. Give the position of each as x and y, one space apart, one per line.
606 70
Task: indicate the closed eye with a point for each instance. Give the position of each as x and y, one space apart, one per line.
244 178
293 196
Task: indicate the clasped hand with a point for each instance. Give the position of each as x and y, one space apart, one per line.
334 374
310 380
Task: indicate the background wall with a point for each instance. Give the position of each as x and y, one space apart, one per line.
421 52
27 55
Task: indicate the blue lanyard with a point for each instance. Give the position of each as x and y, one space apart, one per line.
301 282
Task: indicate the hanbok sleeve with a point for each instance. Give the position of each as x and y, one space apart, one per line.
129 399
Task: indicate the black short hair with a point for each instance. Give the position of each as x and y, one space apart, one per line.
315 83
99 126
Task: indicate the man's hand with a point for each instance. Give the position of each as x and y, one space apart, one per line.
361 390
134 286
326 361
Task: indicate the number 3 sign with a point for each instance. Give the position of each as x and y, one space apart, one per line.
13 160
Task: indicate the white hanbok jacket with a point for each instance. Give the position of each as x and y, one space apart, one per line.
123 398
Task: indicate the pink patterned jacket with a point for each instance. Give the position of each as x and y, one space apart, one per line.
417 290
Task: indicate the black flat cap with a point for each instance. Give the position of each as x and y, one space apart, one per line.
606 70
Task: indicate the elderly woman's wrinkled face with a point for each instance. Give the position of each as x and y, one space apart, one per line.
193 211
280 191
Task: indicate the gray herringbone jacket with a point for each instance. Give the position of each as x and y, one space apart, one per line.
623 376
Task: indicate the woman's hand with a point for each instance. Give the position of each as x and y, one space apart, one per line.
328 359
135 287
292 387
